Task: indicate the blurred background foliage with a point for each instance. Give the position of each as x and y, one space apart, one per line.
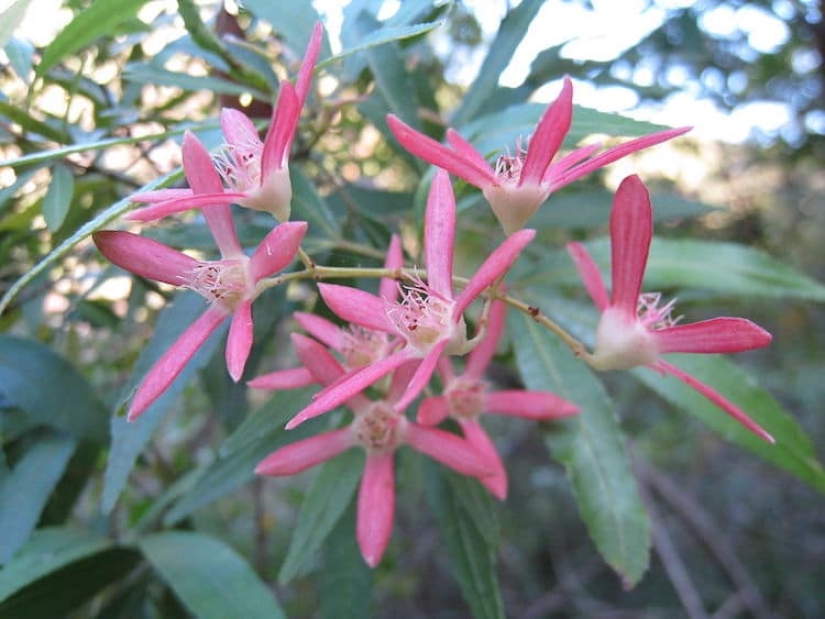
93 108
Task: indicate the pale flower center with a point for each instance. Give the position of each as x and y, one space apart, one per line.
224 283
466 398
513 204
379 427
362 347
239 165
624 342
423 319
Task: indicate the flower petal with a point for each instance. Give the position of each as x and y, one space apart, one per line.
321 329
237 128
495 266
357 306
376 507
388 288
549 135
183 203
717 398
433 410
439 235
717 335
277 249
161 195
239 341
349 386
171 364
435 153
281 131
145 257
447 448
301 455
324 368
421 378
631 228
495 482
590 274
311 54
538 405
293 378
480 357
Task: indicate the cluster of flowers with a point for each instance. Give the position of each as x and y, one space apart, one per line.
396 341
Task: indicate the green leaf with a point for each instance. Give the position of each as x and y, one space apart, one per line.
58 570
465 513
308 206
727 270
590 446
20 53
58 197
324 504
101 19
792 452
47 551
11 18
101 220
158 76
129 439
260 434
28 486
49 389
382 36
345 580
30 124
293 20
509 37
209 577
394 83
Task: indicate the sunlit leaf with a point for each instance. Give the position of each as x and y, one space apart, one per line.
11 18
59 197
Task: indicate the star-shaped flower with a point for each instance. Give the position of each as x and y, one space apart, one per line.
634 330
520 183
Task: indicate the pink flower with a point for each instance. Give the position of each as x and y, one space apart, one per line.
520 183
633 329
468 395
429 319
380 429
358 346
229 284
257 173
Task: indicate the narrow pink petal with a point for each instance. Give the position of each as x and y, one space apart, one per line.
437 154
466 149
538 405
324 368
480 357
161 195
548 137
357 306
422 376
237 128
293 378
614 154
495 266
590 274
348 387
447 448
145 257
400 380
301 455
277 249
631 228
388 288
281 131
239 341
171 364
714 396
554 174
184 203
308 65
376 507
439 235
495 482
433 410
717 335
321 329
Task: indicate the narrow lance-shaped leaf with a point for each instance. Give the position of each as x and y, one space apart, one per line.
590 446
58 197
